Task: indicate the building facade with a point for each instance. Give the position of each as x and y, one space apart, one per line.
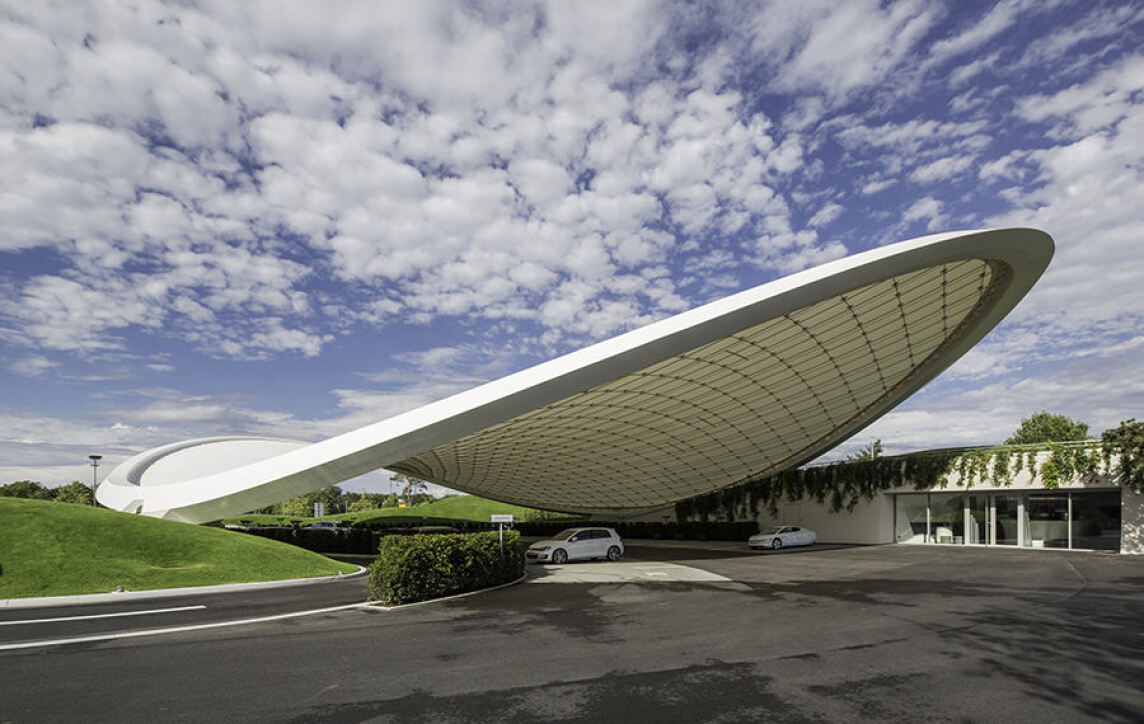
1087 512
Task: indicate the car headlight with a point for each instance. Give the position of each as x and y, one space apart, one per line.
541 548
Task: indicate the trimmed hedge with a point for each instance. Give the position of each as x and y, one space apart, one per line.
711 530
421 567
343 540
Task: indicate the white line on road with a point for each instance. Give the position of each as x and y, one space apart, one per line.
101 615
174 629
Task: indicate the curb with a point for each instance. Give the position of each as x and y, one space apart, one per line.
91 598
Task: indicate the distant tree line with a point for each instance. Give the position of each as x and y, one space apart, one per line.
74 492
335 500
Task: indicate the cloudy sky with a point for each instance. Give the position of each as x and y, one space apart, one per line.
293 219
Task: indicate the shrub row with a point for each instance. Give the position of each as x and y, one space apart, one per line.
362 540
344 540
739 531
421 567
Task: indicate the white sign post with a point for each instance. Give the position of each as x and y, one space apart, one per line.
500 519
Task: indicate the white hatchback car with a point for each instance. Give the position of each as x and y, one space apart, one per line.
783 536
578 544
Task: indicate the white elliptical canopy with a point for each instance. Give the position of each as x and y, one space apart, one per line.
737 389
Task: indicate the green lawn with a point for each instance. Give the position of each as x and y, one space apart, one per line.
457 507
436 512
52 549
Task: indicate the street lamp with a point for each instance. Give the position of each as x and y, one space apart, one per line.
94 470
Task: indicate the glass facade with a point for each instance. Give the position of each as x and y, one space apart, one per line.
911 519
1087 520
1006 528
1047 520
1096 521
947 513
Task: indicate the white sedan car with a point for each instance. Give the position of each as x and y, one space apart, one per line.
783 536
578 544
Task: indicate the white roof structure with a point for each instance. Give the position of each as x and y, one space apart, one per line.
737 389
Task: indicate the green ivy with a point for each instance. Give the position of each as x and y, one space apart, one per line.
843 485
846 483
1126 442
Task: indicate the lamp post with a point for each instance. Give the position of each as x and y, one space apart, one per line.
94 470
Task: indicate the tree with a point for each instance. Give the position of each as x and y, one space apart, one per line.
868 452
1127 442
27 489
414 491
303 505
1048 427
366 501
74 492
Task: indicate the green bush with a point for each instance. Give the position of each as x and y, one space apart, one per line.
420 567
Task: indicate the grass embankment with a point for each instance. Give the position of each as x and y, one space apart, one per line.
53 549
435 512
457 507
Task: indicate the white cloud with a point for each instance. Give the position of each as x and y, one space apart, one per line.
997 20
988 414
246 157
839 49
873 187
827 214
33 365
941 169
260 179
1098 103
927 209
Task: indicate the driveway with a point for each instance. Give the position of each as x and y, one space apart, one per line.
889 633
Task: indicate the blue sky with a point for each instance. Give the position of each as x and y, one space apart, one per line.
274 218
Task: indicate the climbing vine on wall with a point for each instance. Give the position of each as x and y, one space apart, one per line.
842 485
1126 443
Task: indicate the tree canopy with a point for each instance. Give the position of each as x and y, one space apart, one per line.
75 492
1048 427
27 489
867 452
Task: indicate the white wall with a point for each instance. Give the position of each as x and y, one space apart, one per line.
1131 522
869 522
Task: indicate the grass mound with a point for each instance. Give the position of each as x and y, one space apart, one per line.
442 511
456 507
53 549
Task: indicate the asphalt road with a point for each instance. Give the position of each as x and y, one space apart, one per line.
676 632
18 626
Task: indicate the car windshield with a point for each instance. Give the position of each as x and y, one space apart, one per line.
566 534
775 530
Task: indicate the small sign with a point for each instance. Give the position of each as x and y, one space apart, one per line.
501 518
319 509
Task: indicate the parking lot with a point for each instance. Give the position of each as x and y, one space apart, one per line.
677 631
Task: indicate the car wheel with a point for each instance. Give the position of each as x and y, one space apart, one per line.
777 543
614 553
559 557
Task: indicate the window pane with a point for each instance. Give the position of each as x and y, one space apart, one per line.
911 519
978 519
1048 517
947 517
1006 519
1096 520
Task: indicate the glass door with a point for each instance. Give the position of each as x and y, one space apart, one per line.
978 521
1047 520
1006 519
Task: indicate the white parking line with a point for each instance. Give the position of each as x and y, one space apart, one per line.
174 629
101 615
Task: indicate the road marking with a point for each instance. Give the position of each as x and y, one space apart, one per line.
175 629
101 615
